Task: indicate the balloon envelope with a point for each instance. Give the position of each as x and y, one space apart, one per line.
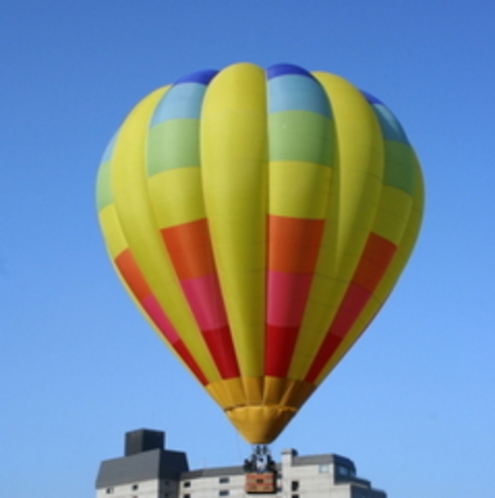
259 220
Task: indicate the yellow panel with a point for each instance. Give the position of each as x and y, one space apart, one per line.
177 196
286 392
253 387
298 394
291 181
275 390
129 186
228 392
112 232
234 169
393 214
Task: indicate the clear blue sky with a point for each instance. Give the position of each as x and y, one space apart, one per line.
413 403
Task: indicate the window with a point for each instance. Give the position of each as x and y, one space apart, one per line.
223 492
187 484
224 480
187 495
343 471
324 469
135 486
294 485
295 496
109 491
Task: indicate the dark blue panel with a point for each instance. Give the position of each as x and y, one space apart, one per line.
370 98
282 69
204 77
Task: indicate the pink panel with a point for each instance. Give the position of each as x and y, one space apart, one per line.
152 307
155 312
205 299
287 297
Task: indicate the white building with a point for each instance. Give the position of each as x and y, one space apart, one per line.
149 471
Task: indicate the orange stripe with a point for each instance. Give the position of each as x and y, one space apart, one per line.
132 275
189 248
293 244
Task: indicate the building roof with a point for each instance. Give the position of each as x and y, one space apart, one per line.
147 465
213 472
322 460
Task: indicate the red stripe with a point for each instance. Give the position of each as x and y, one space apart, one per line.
353 303
219 342
329 346
280 344
188 359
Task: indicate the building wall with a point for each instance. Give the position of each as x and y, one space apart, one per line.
206 487
143 489
155 488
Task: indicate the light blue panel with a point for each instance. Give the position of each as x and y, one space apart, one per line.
181 101
390 126
294 92
104 195
107 155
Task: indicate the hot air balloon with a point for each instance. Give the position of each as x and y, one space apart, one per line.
259 219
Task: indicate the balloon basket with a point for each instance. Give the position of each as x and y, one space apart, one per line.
261 472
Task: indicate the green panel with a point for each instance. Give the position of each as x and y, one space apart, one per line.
300 136
103 187
173 144
399 166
